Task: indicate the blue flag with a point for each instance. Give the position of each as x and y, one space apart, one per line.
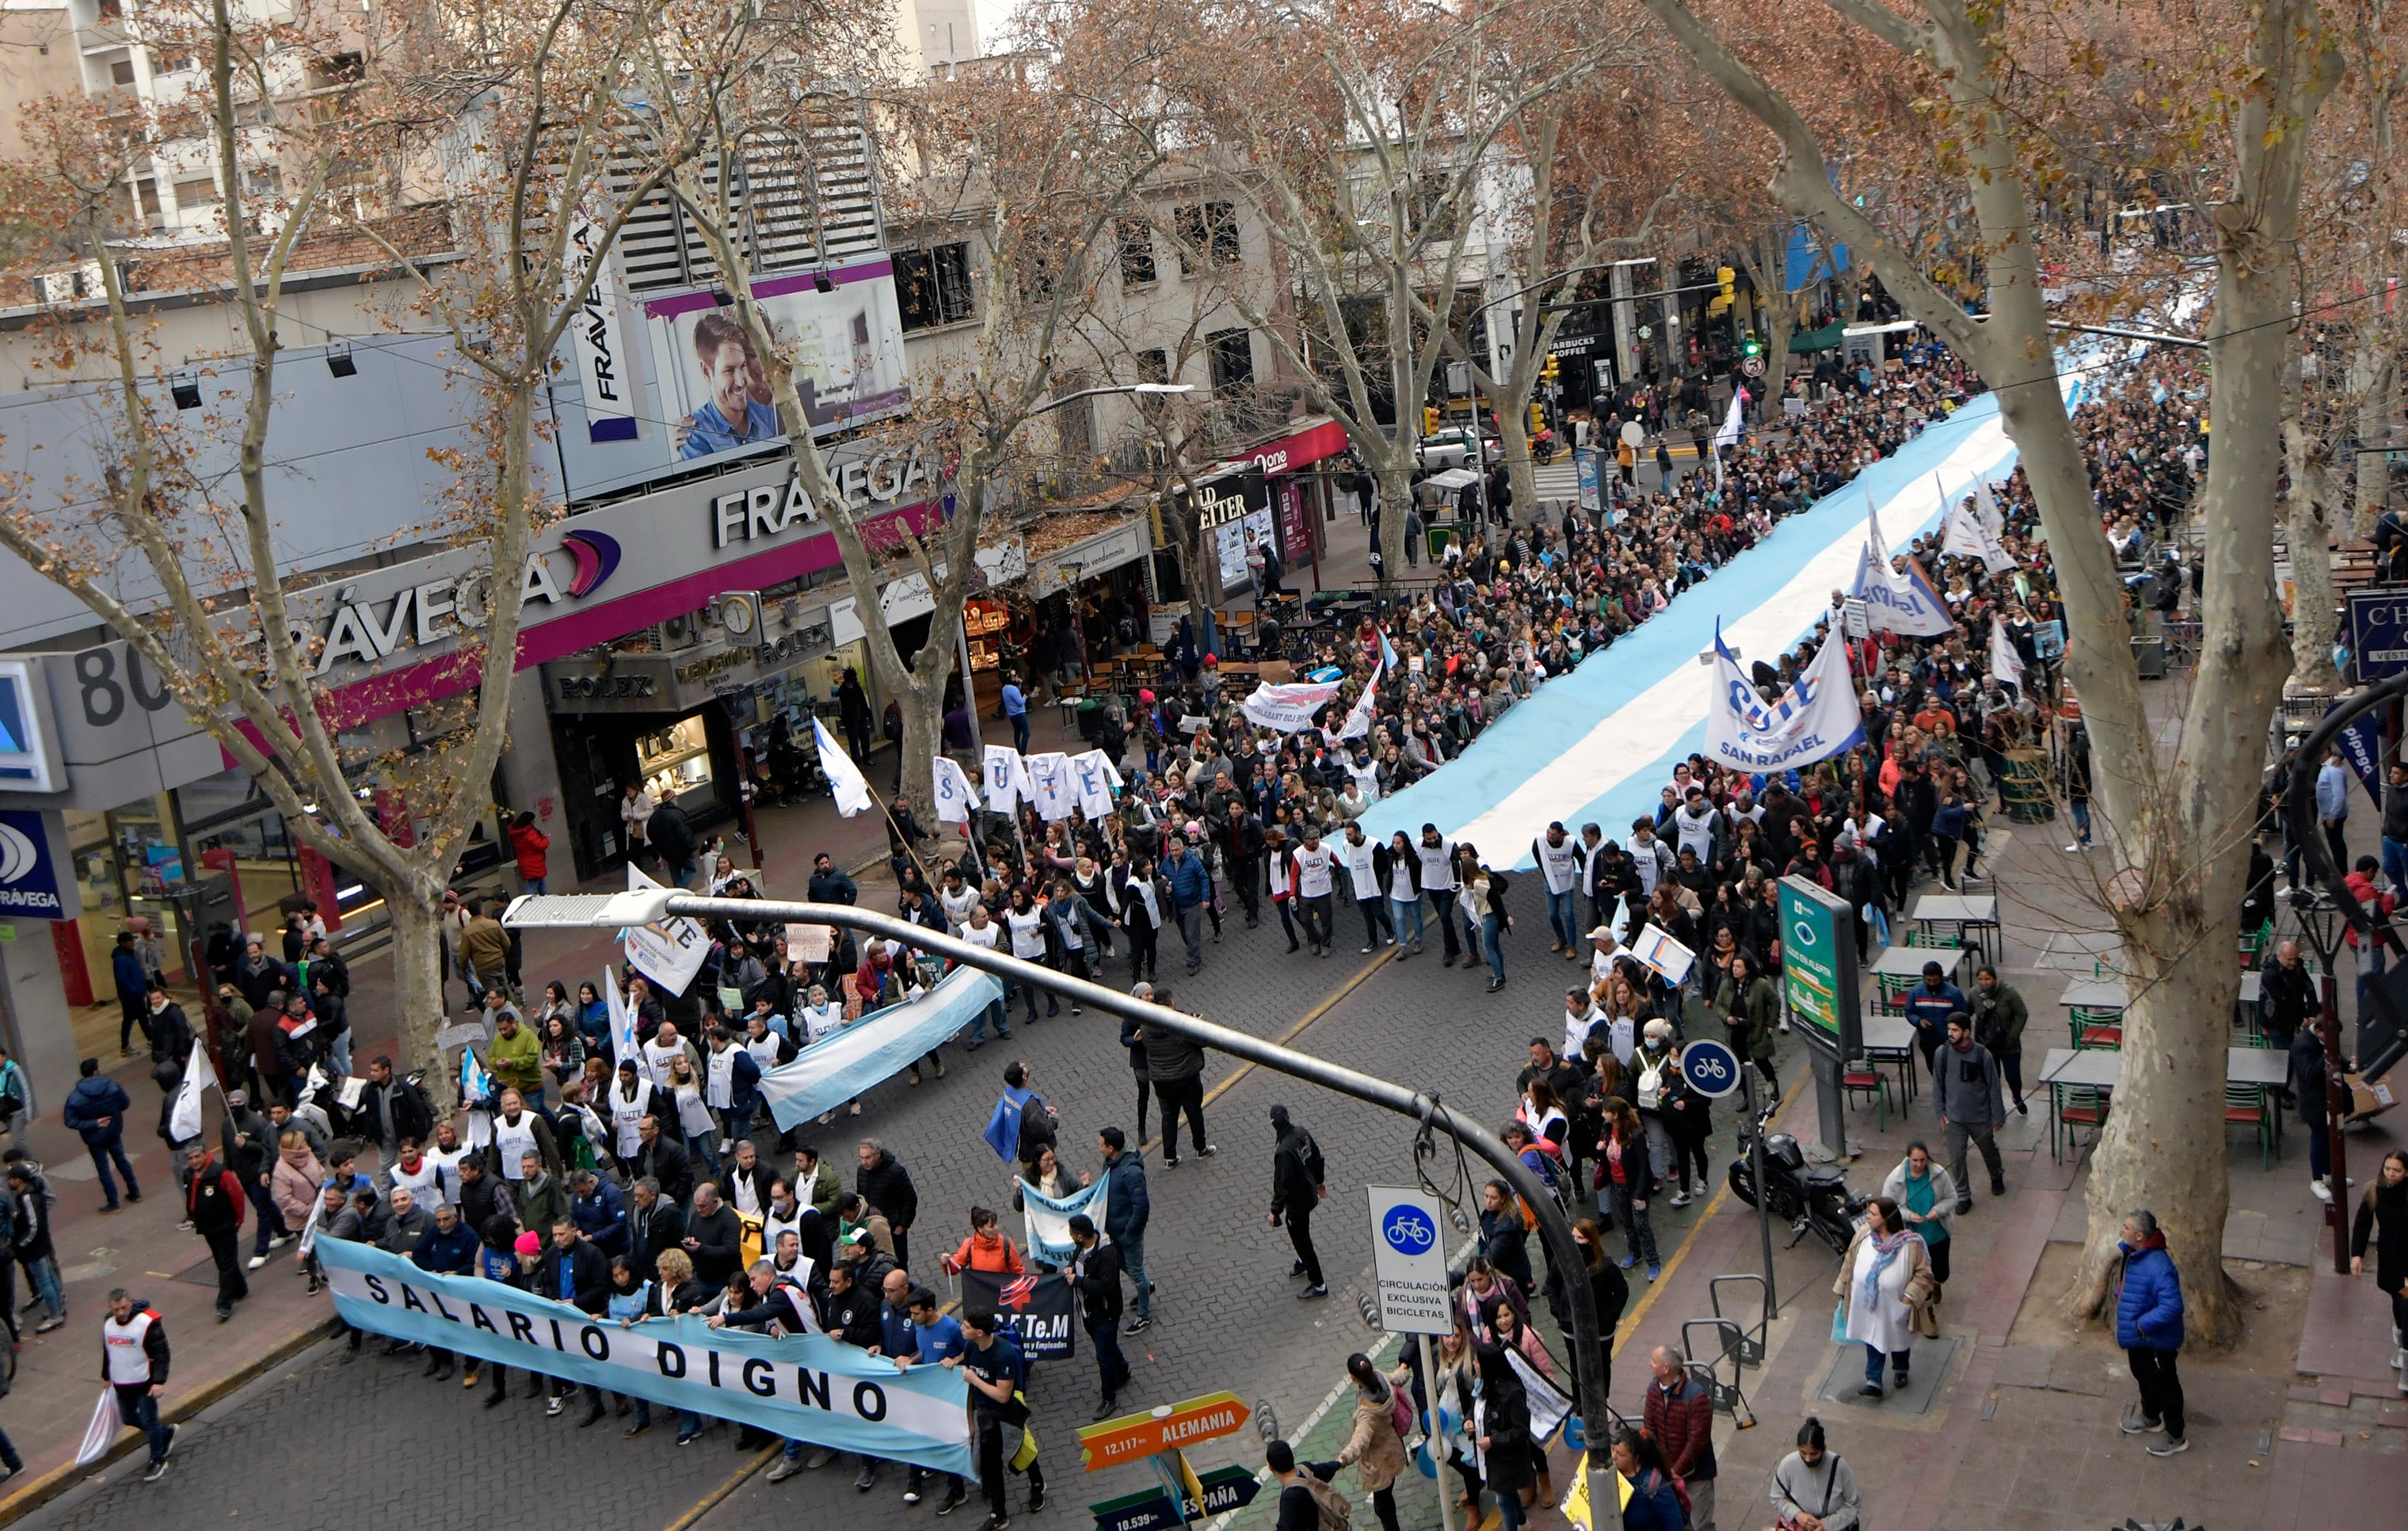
475 1085
2362 745
1003 1128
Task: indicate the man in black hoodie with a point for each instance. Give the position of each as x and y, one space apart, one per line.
1296 1191
887 1185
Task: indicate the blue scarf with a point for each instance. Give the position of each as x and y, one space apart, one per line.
1886 1251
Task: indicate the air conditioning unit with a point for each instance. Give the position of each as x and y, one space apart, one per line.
681 632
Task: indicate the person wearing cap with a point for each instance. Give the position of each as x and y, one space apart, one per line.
1928 1005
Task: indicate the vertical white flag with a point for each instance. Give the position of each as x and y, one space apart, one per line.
953 796
2005 664
184 1122
1904 603
624 1046
1006 779
1054 794
1990 509
1964 536
845 780
1358 717
1727 434
1091 780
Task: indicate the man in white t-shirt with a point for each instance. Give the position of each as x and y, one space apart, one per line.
1438 881
981 930
1313 866
1366 862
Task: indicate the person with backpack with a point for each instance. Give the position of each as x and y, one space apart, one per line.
1297 1189
1306 1501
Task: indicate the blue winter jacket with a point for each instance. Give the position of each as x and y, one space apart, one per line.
1127 1205
1190 883
91 1099
2149 1307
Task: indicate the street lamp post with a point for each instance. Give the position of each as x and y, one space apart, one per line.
606 912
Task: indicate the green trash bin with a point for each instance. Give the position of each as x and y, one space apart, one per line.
2024 788
1439 536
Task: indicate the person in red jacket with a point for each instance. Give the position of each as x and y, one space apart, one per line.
530 844
2380 905
1680 1419
213 1201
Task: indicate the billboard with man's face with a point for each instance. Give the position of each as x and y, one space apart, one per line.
845 345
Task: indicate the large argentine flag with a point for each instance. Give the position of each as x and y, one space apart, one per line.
1815 718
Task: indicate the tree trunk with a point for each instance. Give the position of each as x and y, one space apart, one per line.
923 717
1515 442
2373 384
2308 459
1396 499
1778 326
418 993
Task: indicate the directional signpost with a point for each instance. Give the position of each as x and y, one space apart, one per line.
1150 1509
1168 1429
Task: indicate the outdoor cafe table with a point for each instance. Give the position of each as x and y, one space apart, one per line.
2079 950
1906 962
1972 915
1890 1039
2103 1069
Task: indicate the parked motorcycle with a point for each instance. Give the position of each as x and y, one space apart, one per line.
1811 1199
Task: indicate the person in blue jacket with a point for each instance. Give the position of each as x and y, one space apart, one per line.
1929 1005
449 1248
96 1108
133 993
2149 1327
1128 1209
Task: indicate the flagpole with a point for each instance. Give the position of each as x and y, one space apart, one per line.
888 814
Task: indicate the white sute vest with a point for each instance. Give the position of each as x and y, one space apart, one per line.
721 1072
425 1187
1438 867
1561 862
128 1365
1027 939
1363 869
1312 864
447 1170
514 1142
624 1116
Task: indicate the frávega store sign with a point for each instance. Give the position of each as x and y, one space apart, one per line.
599 575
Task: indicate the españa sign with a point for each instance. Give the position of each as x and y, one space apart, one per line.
1132 1437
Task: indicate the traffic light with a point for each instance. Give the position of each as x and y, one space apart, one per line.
1727 280
1429 420
1550 371
1751 345
1538 418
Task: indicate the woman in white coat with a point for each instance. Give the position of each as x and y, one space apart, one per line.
1887 1292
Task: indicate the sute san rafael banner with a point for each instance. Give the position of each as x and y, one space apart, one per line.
803 1387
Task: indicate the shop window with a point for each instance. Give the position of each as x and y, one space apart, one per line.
676 764
1231 353
932 286
1137 253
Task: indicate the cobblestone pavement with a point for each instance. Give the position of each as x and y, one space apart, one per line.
1226 1309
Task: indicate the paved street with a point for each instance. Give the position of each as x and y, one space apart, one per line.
1227 1316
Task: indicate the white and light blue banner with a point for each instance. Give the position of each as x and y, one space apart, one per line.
1047 1219
1895 602
803 1387
1594 745
852 1060
1815 718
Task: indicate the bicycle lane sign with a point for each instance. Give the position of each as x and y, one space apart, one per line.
1409 1256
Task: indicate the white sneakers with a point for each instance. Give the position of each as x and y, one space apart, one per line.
2323 1192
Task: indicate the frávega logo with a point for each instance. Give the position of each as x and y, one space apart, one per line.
369 631
17 855
29 883
767 510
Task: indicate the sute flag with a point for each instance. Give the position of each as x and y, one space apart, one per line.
1963 534
1904 603
1815 718
2005 664
852 789
954 796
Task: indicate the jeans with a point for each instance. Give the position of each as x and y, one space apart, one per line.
1510 1514
2161 1391
43 1274
1020 732
995 1012
1563 917
1312 913
1191 930
1442 903
1958 1132
341 1054
1178 1096
1898 1360
271 1217
2395 864
1492 941
1403 912
103 1155
137 1407
1133 1261
1635 1226
2082 824
536 885
1299 1235
1111 1366
1375 921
